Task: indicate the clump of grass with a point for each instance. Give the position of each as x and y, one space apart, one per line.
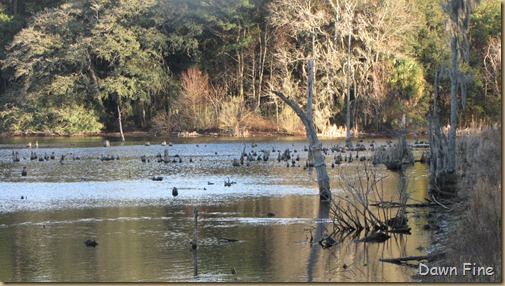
475 237
479 157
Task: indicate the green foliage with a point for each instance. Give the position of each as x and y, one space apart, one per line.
84 54
91 56
68 120
407 78
485 21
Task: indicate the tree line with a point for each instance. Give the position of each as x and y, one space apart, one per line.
183 65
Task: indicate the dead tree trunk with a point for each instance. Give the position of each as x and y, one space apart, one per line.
194 242
442 181
120 124
315 146
445 177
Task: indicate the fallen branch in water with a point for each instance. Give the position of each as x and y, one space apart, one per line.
400 230
398 205
225 239
399 260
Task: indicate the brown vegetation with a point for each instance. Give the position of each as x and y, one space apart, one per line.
352 209
475 235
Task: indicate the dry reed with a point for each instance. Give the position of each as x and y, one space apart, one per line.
475 236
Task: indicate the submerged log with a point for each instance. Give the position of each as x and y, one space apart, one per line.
225 239
400 230
327 241
397 222
399 205
374 237
399 260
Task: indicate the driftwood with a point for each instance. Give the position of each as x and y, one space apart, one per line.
405 230
399 260
225 239
398 205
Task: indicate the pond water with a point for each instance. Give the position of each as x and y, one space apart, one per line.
143 232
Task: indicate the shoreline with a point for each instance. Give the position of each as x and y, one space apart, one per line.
183 134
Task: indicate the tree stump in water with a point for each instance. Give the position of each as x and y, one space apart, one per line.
374 237
195 231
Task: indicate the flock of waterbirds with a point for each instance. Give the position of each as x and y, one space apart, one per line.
290 157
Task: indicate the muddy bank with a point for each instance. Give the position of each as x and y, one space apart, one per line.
201 133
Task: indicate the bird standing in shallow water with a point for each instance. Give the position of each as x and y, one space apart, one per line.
175 192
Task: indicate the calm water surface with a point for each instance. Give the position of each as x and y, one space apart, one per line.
144 233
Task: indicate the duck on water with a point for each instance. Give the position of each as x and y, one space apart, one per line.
91 243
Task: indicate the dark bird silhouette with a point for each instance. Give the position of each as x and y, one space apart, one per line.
24 172
175 192
90 242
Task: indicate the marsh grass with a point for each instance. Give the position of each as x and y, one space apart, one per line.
475 236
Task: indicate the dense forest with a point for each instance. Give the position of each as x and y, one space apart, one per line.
81 66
